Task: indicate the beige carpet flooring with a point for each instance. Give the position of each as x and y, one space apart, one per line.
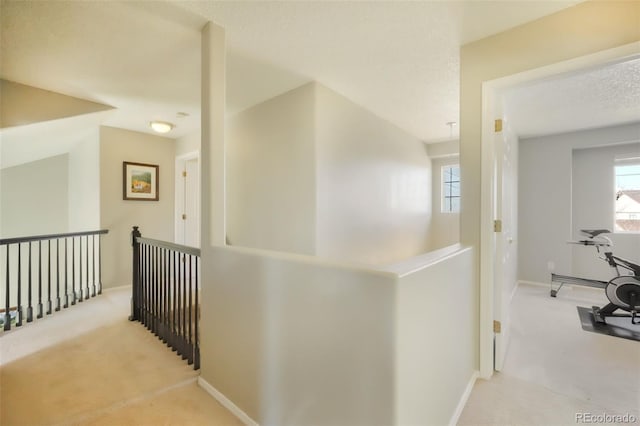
554 371
88 365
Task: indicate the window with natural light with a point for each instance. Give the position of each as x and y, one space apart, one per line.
451 188
627 203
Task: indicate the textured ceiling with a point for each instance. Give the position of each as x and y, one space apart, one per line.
398 59
596 97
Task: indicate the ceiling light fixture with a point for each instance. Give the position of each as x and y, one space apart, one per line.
451 125
161 126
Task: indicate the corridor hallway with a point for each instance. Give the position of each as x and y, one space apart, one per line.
89 365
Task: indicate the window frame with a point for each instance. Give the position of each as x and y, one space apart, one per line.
628 161
446 206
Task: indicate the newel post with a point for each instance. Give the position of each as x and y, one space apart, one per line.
135 283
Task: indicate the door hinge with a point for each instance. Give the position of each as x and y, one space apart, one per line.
498 125
184 216
184 173
497 327
497 225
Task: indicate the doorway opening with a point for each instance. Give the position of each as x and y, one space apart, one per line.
495 273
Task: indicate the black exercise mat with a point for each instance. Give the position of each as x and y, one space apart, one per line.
616 326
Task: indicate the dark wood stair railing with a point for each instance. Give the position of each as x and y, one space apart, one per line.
165 293
64 268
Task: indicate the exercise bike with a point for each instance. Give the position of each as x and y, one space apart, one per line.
623 291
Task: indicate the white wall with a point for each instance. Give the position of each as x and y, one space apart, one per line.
310 172
271 174
593 205
295 341
435 351
373 185
155 218
445 227
188 144
35 198
443 149
545 200
84 184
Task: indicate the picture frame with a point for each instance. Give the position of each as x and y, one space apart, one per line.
140 181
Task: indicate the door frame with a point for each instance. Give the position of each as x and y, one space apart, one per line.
491 93
179 191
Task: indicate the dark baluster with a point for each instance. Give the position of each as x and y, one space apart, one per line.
154 288
135 279
140 284
179 306
80 299
142 278
29 306
150 286
160 292
49 304
163 295
147 295
39 280
196 349
163 333
20 312
165 305
73 271
169 297
152 295
93 266
57 274
66 275
86 256
174 341
7 313
145 283
143 265
184 307
99 264
190 345
157 289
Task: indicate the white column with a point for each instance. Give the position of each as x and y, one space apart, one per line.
213 144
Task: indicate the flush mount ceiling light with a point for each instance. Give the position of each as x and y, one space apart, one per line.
161 126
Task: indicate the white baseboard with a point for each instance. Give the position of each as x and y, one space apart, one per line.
564 286
226 402
120 287
464 398
536 283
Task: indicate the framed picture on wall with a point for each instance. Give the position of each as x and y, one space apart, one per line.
140 181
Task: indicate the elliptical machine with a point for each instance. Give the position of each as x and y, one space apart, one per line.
623 291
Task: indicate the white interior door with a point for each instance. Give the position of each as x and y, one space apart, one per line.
506 256
187 229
